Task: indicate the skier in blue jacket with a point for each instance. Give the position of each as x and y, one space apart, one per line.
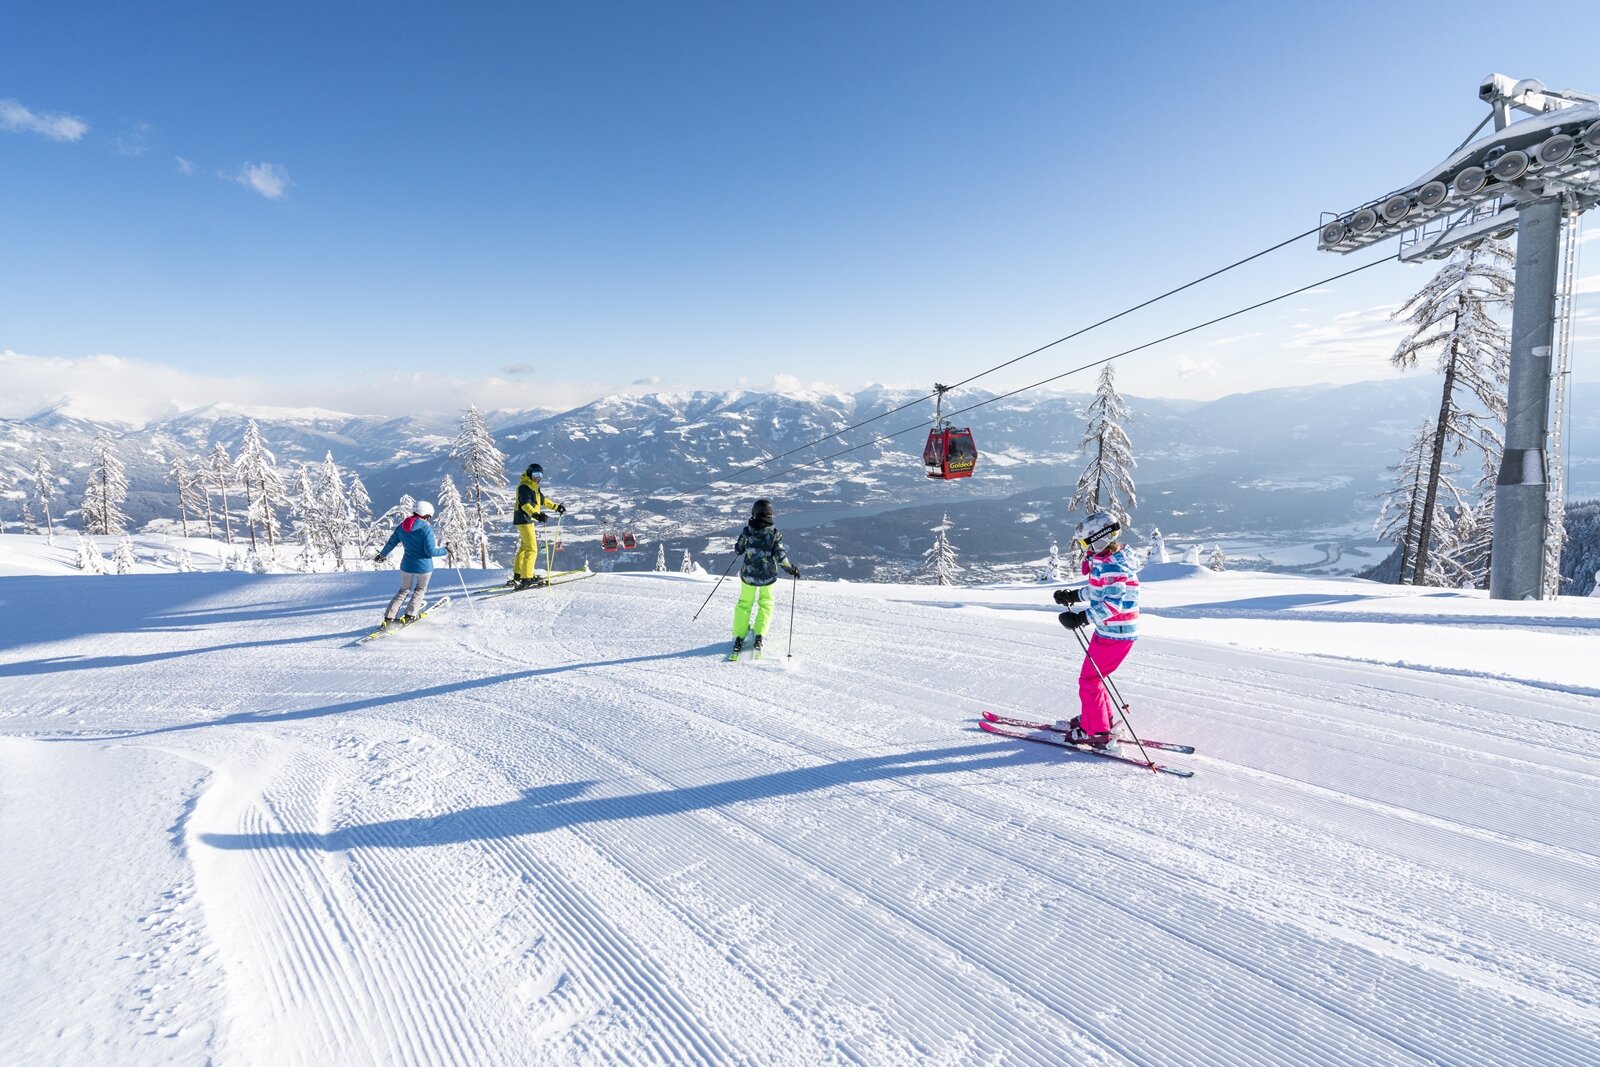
416 566
762 547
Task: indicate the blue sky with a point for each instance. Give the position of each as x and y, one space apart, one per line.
405 207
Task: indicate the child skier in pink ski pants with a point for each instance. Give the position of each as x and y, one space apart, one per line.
1112 608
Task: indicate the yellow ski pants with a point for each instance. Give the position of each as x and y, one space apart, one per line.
758 596
527 551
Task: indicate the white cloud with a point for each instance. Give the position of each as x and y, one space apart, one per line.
185 167
132 141
1235 339
1360 341
1188 368
271 180
1588 284
111 388
19 119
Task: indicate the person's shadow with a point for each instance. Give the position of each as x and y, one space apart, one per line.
556 807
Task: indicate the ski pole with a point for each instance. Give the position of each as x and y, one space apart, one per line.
794 584
1122 705
464 591
714 588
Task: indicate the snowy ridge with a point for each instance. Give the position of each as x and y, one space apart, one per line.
558 827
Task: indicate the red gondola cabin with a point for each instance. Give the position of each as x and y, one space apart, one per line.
950 453
628 540
608 542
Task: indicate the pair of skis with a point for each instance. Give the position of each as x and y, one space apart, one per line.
397 625
550 581
1046 733
733 654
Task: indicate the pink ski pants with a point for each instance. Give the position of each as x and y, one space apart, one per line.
1099 713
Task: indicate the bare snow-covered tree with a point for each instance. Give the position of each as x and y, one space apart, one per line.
453 524
1106 484
661 559
224 476
1453 316
263 487
103 497
940 559
191 497
1400 505
122 559
484 467
1217 561
44 490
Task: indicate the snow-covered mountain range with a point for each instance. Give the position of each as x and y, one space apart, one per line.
1285 476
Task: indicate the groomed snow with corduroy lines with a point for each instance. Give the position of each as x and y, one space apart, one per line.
559 827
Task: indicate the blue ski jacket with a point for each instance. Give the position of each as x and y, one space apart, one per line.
416 533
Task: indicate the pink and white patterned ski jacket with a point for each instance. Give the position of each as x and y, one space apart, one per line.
1113 594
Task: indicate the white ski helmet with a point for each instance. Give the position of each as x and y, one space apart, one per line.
424 509
1098 531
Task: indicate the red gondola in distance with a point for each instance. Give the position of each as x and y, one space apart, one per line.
950 451
608 542
628 540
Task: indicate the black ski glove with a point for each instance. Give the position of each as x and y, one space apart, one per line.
561 509
540 517
794 572
380 558
1067 596
1074 620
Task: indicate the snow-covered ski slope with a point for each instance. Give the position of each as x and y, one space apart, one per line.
559 827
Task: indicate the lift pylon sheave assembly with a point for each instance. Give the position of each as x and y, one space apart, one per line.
950 452
1521 178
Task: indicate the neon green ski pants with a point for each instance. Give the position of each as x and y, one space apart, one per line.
527 551
758 596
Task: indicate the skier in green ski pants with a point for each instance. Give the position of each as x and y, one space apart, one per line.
762 546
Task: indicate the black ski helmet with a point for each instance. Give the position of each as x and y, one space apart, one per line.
762 510
534 471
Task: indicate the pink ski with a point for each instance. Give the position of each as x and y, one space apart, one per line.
1055 737
1165 746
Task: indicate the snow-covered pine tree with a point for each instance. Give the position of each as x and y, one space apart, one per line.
940 559
1453 315
338 521
263 487
453 524
360 515
309 523
122 559
1158 548
484 467
190 496
1217 562
107 490
1052 564
88 559
687 566
224 476
185 562
30 524
1106 484
44 490
1580 549
661 559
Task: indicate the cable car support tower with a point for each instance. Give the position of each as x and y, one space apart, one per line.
1534 177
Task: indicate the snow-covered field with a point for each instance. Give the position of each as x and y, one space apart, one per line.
558 827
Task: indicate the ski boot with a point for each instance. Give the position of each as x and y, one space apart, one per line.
738 647
386 623
1075 732
409 619
757 645
529 583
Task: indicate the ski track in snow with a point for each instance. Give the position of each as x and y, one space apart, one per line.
558 827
